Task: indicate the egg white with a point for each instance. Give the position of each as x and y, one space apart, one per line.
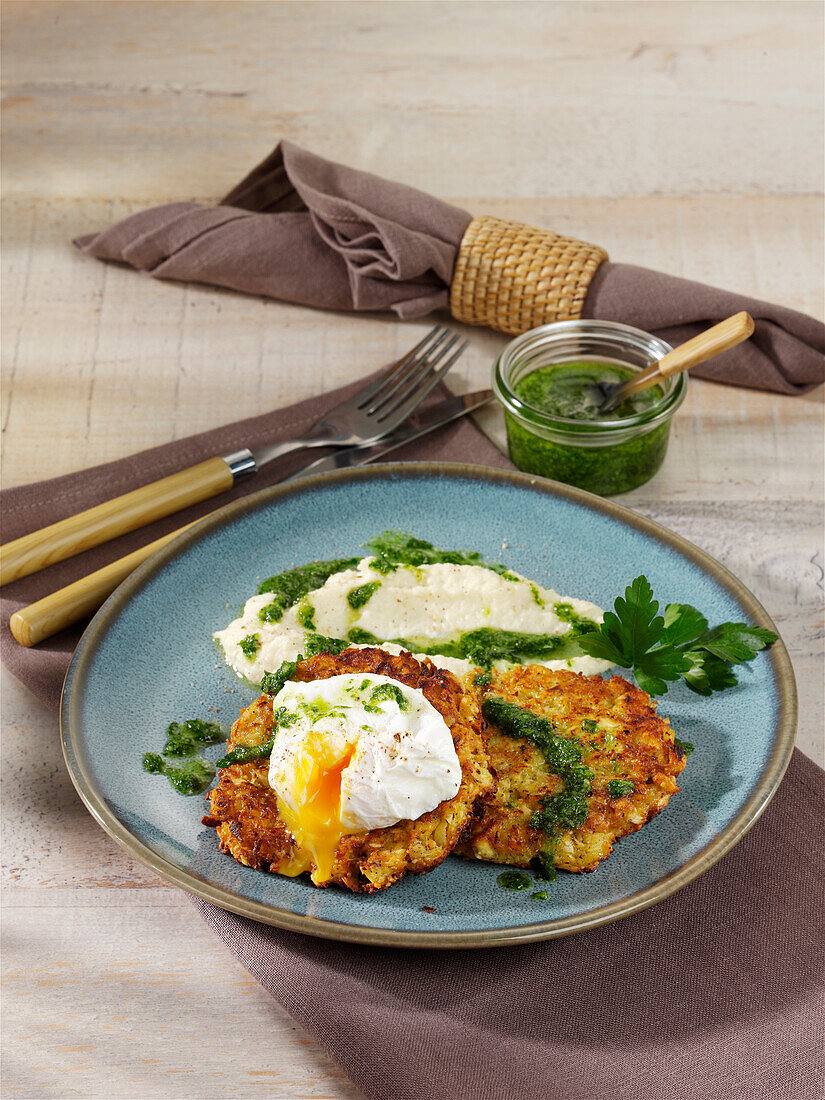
404 762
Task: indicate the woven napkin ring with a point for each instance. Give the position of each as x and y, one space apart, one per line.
513 277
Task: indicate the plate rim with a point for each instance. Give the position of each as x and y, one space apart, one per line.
702 861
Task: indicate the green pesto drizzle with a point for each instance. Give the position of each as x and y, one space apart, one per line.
242 754
357 597
394 549
250 645
484 646
542 865
184 738
289 587
191 777
563 755
187 772
567 614
620 788
272 682
357 636
284 718
317 643
514 880
306 615
384 693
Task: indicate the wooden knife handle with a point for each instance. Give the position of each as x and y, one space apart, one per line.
112 518
77 601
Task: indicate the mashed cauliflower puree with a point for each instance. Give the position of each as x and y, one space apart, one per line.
421 608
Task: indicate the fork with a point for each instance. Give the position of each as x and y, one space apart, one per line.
380 407
362 420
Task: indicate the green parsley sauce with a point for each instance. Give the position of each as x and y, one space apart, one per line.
306 615
250 645
292 585
191 777
563 755
272 682
357 597
242 754
187 772
319 643
570 390
386 693
620 788
484 646
514 880
567 390
396 549
184 738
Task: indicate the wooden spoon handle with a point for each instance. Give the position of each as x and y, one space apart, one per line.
77 601
727 334
112 518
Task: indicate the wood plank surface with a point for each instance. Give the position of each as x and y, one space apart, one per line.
681 136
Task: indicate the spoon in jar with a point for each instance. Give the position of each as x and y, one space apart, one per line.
727 334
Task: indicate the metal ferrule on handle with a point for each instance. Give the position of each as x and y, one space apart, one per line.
116 517
240 463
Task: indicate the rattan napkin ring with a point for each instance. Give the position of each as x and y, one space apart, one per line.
513 277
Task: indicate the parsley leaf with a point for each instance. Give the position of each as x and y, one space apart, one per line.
683 623
735 642
707 673
673 646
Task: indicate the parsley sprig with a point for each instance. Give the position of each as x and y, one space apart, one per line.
673 646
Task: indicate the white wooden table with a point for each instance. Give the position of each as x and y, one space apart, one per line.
686 137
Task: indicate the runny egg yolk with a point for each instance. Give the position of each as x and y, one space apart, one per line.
314 819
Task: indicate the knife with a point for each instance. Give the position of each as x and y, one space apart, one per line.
419 424
81 599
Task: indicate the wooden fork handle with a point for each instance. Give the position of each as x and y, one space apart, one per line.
112 518
80 600
727 334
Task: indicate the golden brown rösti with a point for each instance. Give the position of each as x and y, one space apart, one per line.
631 742
244 809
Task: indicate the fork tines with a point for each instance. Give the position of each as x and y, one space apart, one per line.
405 385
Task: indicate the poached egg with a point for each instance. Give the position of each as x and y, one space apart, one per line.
353 753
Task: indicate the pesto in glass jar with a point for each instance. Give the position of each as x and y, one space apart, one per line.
547 382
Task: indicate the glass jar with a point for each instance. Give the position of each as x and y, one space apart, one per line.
602 456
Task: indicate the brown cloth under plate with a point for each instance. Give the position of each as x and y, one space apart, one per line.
717 993
304 229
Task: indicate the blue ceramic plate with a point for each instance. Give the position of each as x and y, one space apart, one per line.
148 659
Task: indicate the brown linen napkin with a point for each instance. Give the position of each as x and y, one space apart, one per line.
716 993
31 507
304 229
